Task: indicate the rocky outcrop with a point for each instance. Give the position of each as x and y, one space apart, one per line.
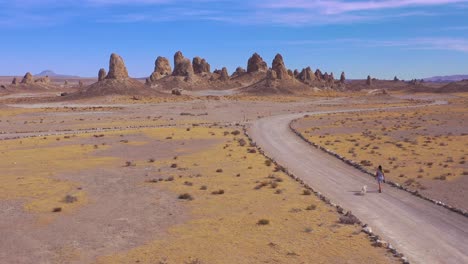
331 78
27 79
279 67
318 75
395 79
224 75
117 69
291 74
200 66
239 72
102 74
182 65
43 80
15 81
296 73
307 75
326 77
256 64
369 80
162 68
342 78
80 84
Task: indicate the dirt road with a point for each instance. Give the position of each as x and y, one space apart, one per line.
424 232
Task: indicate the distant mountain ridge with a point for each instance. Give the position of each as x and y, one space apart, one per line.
448 78
51 73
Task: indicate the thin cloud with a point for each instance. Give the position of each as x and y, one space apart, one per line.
450 44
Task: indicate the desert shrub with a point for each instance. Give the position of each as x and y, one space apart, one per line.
173 165
188 183
308 230
252 151
366 163
242 142
219 170
218 192
268 163
263 222
170 178
311 207
128 164
235 132
278 191
70 199
203 187
57 209
186 196
409 181
151 160
306 192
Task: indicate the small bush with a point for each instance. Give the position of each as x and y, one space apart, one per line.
170 178
268 163
129 164
235 132
278 191
219 170
311 207
173 165
242 142
70 199
203 187
306 192
218 192
188 183
263 222
57 209
186 196
151 160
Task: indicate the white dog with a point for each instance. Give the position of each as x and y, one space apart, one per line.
364 190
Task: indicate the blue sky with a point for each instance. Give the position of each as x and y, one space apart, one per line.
383 38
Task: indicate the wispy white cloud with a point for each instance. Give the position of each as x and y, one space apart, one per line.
429 43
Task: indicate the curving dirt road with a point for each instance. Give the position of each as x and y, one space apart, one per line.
424 232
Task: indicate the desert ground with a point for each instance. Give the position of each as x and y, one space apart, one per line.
194 166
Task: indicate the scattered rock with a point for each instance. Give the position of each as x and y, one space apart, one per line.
102 74
27 79
117 69
256 64
182 65
200 66
279 67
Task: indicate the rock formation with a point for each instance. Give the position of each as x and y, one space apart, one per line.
224 75
395 79
296 73
27 79
15 81
331 78
43 80
342 77
239 71
102 74
117 69
291 74
182 65
80 84
65 83
256 64
318 75
307 75
326 77
369 80
279 68
162 68
200 66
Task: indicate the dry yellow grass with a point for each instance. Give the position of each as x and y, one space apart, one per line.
28 167
224 226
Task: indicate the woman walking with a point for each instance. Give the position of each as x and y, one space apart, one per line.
379 175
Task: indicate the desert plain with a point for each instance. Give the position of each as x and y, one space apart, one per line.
120 170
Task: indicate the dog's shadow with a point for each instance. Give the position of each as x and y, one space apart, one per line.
359 193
